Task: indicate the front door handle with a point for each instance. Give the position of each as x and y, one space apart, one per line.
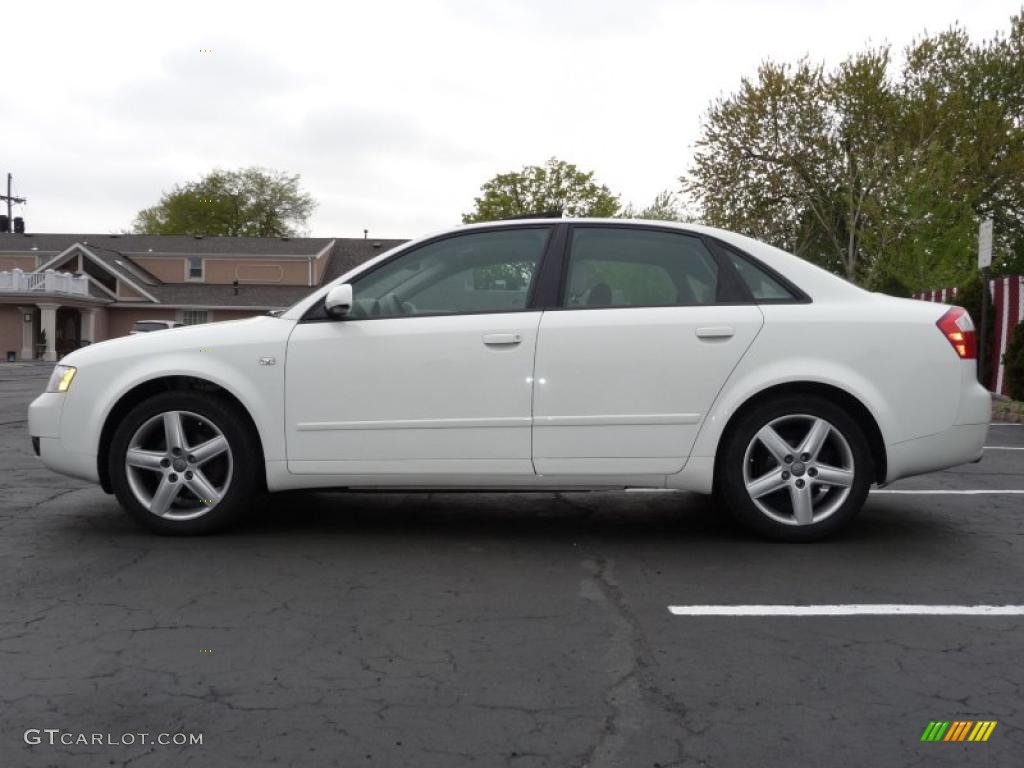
715 332
494 339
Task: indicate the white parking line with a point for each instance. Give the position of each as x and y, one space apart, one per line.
972 492
1003 424
1004 447
889 609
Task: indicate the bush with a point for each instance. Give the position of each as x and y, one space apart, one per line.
1013 361
888 283
969 296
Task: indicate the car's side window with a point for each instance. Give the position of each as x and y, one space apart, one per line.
631 267
469 273
763 287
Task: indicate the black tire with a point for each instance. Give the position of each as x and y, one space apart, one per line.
242 479
731 485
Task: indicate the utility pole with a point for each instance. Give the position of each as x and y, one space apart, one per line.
10 200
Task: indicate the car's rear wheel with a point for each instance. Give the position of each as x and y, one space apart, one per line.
184 463
795 468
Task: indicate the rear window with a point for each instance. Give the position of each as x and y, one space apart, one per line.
149 326
763 287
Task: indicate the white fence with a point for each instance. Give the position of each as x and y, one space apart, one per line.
16 281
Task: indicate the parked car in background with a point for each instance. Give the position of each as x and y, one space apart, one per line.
539 354
145 326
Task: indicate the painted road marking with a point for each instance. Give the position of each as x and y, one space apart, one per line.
893 609
1004 447
1003 424
984 491
972 492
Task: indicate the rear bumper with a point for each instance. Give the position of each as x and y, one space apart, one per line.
960 444
975 402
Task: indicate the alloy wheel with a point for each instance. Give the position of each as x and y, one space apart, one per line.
178 465
798 469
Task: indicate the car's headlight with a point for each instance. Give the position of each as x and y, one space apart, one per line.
61 378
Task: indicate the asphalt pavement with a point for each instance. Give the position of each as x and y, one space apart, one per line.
521 630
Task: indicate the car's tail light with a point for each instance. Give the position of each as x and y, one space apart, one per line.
957 327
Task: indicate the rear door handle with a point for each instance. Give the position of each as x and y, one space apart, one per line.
494 339
716 332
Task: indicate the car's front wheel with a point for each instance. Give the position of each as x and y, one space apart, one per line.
795 469
184 463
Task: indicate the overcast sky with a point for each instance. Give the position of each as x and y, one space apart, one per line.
394 113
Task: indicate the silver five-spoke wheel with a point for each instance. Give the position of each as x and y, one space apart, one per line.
798 469
178 465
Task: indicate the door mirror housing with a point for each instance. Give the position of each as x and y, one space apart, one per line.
338 302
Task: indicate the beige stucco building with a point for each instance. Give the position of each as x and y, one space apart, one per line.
60 291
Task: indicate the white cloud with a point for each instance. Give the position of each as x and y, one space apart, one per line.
394 112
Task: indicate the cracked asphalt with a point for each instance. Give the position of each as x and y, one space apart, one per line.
502 630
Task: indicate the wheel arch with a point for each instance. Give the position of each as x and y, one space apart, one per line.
146 389
841 397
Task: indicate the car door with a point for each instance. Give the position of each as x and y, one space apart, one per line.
650 324
431 373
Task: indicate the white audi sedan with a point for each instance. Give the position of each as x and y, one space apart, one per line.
535 354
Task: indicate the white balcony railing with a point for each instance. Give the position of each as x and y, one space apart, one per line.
16 281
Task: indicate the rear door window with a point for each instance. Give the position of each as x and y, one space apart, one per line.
632 267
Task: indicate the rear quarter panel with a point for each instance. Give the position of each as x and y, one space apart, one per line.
886 352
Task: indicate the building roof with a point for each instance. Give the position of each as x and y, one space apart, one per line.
191 245
122 265
348 253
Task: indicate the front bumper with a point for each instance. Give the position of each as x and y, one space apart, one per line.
44 414
44 419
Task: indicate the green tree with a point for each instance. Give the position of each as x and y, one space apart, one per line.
251 202
883 281
535 189
665 207
964 128
874 171
760 165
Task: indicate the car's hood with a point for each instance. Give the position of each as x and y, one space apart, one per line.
190 337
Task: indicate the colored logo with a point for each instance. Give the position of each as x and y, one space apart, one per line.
958 730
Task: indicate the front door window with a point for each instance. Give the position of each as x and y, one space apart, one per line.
471 273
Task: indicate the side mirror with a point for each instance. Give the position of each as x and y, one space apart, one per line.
338 302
